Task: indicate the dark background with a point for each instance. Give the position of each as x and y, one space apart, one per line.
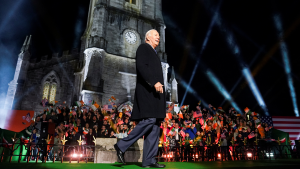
57 25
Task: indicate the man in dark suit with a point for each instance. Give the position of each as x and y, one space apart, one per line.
149 102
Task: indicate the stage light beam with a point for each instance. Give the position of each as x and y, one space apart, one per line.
286 64
222 90
201 50
245 70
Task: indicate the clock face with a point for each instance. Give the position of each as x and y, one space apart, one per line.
130 37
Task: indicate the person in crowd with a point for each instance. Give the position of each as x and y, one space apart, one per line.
84 120
57 146
103 132
122 131
112 134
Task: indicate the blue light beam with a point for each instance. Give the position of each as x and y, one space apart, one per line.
222 90
254 89
10 14
241 78
245 69
286 64
202 49
191 91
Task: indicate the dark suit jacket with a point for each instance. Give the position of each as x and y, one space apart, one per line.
147 102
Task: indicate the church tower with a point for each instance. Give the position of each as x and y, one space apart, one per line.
173 88
16 86
115 29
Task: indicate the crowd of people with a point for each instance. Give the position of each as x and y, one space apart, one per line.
200 126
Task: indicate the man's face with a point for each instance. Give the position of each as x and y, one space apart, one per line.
94 118
105 122
153 38
176 125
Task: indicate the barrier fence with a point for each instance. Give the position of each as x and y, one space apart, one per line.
85 153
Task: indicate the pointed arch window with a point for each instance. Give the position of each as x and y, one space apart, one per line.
46 90
50 84
131 1
52 92
133 5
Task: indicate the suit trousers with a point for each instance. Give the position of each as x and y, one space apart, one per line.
148 128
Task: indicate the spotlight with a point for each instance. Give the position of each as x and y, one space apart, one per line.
168 155
249 155
80 155
219 155
75 155
269 154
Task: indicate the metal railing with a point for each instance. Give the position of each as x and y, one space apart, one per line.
227 153
166 153
44 152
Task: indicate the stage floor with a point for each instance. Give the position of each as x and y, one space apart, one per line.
262 164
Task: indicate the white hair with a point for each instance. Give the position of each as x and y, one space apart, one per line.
148 33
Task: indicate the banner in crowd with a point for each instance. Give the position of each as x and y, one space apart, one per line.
18 120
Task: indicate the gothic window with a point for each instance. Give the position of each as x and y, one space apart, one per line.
52 93
131 1
46 90
50 83
133 5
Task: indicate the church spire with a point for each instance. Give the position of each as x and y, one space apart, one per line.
24 44
28 44
172 75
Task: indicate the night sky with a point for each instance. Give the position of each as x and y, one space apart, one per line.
57 25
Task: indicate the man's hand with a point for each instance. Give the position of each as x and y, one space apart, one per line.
159 87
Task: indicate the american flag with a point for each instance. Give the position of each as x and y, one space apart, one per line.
266 119
251 135
288 124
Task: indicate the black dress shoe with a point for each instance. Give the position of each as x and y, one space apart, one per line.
155 165
120 154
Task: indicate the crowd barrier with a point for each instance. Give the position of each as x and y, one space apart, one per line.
84 153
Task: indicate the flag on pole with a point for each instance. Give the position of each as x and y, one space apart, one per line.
180 115
197 114
95 106
171 132
78 104
182 133
169 115
58 111
251 135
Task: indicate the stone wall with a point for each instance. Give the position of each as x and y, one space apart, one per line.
115 83
61 67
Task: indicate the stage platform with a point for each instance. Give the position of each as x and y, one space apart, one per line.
261 164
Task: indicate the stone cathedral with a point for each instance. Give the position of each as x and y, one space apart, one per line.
104 66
